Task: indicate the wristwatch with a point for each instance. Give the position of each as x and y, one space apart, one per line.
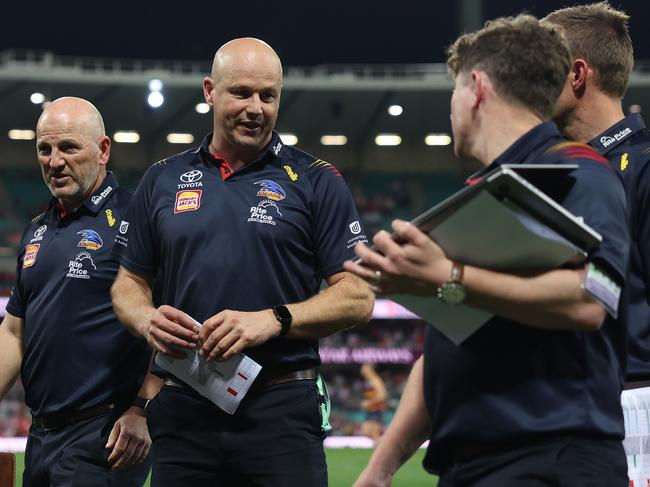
453 291
283 315
140 402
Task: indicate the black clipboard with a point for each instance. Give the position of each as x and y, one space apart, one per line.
507 183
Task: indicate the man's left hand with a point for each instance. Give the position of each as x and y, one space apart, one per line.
129 439
229 332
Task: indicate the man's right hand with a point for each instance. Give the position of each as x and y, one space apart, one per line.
169 329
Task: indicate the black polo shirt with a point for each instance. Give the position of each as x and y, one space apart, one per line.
261 236
76 353
627 147
509 381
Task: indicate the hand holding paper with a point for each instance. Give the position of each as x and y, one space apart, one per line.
224 383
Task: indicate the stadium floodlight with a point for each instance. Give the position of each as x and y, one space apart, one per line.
126 136
388 139
37 98
155 99
179 138
155 85
333 140
634 109
289 138
19 134
202 108
395 110
437 139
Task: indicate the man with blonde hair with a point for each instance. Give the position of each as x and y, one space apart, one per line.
590 110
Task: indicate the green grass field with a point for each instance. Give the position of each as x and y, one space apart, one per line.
344 466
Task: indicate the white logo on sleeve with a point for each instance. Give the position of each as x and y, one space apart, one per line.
355 227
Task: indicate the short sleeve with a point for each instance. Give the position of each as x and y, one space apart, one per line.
642 221
17 304
135 235
598 196
336 222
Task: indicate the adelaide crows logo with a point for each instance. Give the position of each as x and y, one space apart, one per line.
271 190
90 240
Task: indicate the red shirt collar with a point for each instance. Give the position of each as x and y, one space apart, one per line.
223 165
61 210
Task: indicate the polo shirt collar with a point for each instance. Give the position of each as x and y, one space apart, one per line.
95 201
99 198
618 133
273 149
522 148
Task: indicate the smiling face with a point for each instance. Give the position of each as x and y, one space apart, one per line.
72 150
244 91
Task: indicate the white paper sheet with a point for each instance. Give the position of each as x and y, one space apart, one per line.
224 383
636 413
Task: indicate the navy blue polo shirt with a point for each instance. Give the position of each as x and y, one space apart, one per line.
627 147
263 235
510 382
76 353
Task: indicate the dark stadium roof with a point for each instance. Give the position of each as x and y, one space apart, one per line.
304 33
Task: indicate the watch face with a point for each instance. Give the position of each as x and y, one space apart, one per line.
282 313
452 293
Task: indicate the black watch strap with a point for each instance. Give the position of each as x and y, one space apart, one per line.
140 402
283 315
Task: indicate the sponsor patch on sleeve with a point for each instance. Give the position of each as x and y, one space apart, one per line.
602 288
188 201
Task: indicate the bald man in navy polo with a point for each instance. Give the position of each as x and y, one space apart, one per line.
238 234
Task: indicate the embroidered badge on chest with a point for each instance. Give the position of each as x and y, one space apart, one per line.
188 201
31 251
90 240
267 210
110 218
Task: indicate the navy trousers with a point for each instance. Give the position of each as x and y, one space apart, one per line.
273 439
75 456
561 462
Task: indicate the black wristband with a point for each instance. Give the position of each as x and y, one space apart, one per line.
283 315
140 402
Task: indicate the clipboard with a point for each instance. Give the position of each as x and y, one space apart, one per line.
502 222
506 183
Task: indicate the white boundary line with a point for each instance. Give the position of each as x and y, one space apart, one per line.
18 444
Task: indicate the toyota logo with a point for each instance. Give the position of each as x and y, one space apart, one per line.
40 231
191 176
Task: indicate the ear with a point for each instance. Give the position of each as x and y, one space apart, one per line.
208 86
479 86
104 150
578 75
